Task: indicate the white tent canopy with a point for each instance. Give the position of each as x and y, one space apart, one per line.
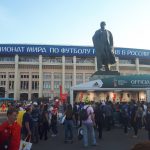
92 85
96 85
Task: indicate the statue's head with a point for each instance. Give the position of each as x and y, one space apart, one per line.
103 24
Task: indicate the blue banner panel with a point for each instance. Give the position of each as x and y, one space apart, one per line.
49 50
59 50
127 53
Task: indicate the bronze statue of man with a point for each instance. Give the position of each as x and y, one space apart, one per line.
103 44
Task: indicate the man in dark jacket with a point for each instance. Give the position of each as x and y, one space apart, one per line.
35 114
99 119
103 44
27 123
108 115
148 121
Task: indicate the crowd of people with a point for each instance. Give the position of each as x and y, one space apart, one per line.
34 121
105 115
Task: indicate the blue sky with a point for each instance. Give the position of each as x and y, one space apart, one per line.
73 22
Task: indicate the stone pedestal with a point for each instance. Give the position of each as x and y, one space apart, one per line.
104 74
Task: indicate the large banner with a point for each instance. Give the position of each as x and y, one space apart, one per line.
127 53
128 81
56 50
49 50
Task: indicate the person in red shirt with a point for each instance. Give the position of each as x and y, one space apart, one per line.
56 105
3 107
10 132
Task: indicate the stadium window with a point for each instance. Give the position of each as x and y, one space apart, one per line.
24 85
47 75
11 76
35 85
2 83
57 76
68 76
144 61
35 76
129 61
11 85
47 85
2 92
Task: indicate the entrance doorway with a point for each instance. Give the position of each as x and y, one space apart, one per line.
23 96
34 96
11 95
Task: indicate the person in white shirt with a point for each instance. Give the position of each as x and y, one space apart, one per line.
88 126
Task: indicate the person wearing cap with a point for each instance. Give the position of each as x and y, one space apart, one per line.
103 44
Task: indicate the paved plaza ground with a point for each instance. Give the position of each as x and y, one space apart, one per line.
112 140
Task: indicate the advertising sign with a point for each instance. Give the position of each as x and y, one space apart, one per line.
128 81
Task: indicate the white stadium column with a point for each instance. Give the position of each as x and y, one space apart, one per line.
117 64
148 95
74 70
71 97
7 85
137 65
30 85
40 77
52 85
63 74
16 83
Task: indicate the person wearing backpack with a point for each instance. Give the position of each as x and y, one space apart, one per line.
88 123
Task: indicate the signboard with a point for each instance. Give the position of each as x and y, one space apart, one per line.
128 81
59 50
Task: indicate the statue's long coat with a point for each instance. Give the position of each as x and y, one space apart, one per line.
103 44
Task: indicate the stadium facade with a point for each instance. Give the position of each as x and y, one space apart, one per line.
31 71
